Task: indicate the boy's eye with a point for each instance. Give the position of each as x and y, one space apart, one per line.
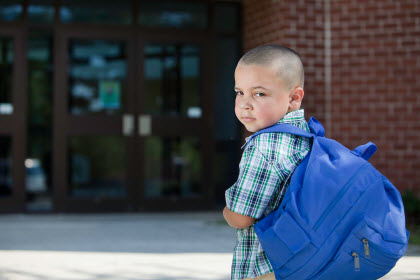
259 94
239 93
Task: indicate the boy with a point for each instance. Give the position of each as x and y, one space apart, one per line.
269 90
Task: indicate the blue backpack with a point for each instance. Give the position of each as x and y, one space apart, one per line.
339 219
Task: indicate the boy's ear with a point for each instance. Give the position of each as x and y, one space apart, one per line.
295 98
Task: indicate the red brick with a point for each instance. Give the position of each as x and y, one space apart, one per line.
375 64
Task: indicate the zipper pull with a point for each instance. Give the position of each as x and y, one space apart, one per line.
366 245
356 261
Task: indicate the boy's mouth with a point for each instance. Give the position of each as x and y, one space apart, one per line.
247 119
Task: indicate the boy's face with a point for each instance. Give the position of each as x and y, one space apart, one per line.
261 96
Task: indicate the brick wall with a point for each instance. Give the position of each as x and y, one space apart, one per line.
375 50
372 94
297 24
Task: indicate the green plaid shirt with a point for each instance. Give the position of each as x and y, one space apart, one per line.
264 174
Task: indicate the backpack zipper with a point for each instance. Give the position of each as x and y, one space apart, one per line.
366 245
356 261
338 197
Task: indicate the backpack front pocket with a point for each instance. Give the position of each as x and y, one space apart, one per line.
286 244
362 256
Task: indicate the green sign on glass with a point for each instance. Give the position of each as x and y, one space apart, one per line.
109 94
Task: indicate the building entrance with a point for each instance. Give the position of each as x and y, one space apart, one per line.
131 120
109 106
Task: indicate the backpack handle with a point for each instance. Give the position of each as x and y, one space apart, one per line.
316 127
365 151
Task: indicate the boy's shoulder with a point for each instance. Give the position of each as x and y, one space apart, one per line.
274 145
266 141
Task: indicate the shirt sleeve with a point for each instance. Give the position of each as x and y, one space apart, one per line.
256 184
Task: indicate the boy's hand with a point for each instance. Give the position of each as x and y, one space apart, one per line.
237 220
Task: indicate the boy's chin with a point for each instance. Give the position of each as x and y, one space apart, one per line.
251 129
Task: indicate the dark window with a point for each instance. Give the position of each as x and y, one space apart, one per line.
38 160
6 184
41 11
96 11
173 14
172 167
97 166
227 127
6 71
226 17
97 73
11 10
172 80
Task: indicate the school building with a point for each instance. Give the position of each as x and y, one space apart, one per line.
127 105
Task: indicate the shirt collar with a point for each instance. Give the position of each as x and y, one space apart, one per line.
293 117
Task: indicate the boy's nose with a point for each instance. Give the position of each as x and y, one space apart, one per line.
245 105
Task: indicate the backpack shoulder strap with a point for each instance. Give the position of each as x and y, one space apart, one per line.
314 125
284 128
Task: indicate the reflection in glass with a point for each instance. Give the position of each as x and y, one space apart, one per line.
5 166
172 80
97 76
10 10
96 11
38 162
172 167
41 11
6 72
97 166
173 14
36 180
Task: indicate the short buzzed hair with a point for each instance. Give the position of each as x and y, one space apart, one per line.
287 62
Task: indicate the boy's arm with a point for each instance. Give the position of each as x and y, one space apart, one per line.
237 220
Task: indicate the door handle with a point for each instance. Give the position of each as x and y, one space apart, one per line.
145 125
128 125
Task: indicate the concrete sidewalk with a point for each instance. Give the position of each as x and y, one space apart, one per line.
129 246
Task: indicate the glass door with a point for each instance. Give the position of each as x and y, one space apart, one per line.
132 120
12 119
174 105
93 120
